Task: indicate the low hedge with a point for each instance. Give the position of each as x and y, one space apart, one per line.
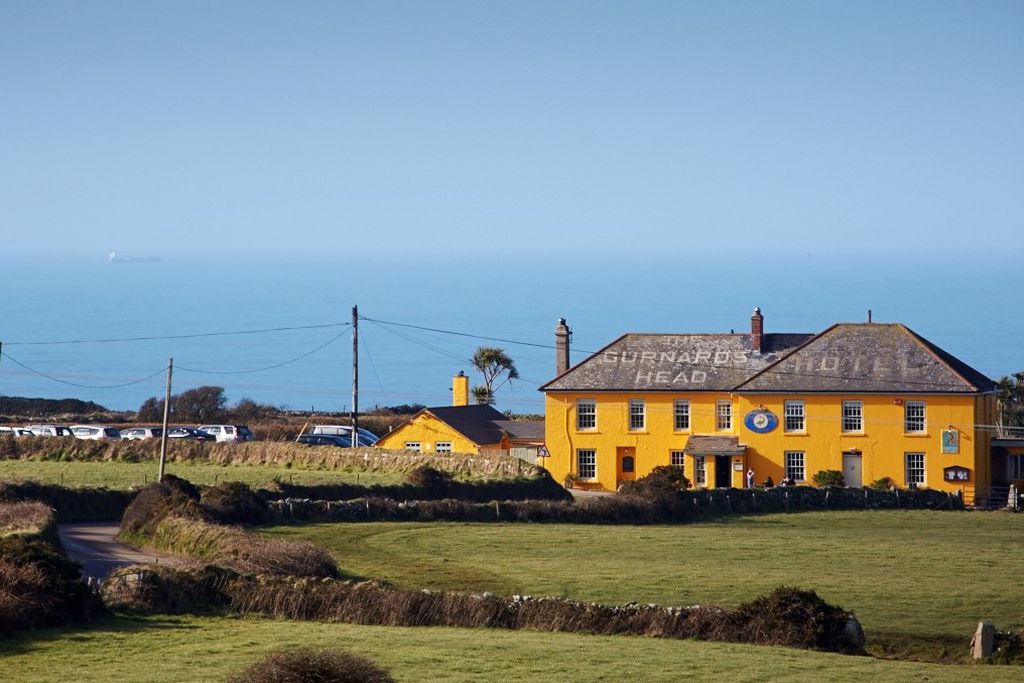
429 483
308 665
613 509
789 617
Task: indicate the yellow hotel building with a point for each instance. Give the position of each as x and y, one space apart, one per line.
870 400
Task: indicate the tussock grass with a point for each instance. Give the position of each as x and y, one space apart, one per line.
24 517
267 453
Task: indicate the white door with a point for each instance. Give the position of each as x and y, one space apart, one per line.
851 470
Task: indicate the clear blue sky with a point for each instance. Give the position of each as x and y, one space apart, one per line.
675 127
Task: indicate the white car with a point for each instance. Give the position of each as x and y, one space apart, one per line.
138 433
366 437
14 431
49 430
96 432
230 433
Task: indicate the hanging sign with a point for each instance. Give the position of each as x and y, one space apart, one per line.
951 441
761 421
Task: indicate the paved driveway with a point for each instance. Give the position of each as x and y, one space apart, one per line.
96 546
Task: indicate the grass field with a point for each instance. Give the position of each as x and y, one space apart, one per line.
124 475
173 649
926 576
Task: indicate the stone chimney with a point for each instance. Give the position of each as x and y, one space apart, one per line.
756 330
563 335
460 389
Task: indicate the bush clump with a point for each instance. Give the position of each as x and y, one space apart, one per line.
662 485
828 478
40 587
308 665
883 484
797 618
233 503
158 501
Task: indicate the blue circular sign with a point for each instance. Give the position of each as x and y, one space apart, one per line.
761 421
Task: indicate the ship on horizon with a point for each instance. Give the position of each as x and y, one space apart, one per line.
114 258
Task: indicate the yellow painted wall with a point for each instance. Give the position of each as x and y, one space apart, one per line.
428 430
883 442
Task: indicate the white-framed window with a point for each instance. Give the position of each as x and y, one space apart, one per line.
676 458
682 415
700 472
853 416
914 467
586 414
913 417
795 469
443 447
414 446
586 463
794 416
637 414
723 415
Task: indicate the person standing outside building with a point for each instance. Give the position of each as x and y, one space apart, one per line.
750 478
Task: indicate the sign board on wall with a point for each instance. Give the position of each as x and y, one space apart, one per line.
761 421
956 473
951 441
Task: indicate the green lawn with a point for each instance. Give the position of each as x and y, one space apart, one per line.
123 475
173 649
930 576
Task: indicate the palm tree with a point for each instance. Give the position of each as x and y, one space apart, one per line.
492 362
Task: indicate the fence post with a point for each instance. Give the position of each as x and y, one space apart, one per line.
826 497
865 499
786 498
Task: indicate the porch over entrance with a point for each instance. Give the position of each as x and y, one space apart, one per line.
715 461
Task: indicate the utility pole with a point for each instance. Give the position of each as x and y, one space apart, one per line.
167 409
355 376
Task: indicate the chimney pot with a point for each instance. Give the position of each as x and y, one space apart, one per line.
756 330
563 335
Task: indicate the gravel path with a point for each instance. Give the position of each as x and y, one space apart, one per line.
96 546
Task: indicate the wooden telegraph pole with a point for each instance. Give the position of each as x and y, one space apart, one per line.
355 376
167 408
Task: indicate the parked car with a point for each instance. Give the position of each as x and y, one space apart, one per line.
231 433
137 433
366 437
190 433
49 430
324 440
14 431
95 432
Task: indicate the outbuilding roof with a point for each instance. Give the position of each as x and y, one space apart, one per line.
475 422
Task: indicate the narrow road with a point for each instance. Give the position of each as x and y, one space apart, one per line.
96 546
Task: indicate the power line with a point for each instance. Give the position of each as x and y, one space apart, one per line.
177 336
467 334
76 384
268 367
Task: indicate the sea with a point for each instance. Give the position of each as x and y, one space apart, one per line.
277 329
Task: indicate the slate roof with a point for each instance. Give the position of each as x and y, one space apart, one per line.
714 445
847 357
869 358
525 430
675 362
475 422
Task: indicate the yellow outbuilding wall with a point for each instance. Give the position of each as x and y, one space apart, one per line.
427 430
